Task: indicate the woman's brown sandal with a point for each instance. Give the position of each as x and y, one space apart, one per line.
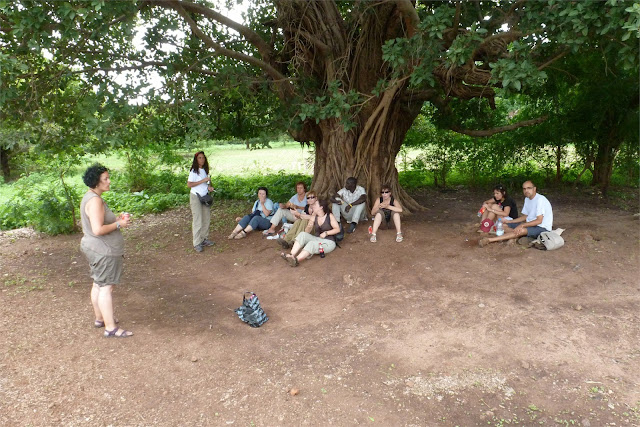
293 261
241 235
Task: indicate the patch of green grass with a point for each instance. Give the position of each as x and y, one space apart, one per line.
19 284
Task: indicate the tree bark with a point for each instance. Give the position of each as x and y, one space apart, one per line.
4 163
603 163
558 163
368 156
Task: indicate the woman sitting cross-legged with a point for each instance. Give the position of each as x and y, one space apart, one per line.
386 207
258 219
324 226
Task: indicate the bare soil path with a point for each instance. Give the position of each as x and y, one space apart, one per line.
433 331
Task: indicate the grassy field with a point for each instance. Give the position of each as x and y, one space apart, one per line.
224 159
237 160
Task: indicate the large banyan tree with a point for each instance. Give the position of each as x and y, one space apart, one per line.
351 76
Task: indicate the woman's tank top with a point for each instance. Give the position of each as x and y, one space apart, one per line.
326 226
111 244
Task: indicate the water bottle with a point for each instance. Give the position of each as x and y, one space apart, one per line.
481 211
499 229
321 250
370 230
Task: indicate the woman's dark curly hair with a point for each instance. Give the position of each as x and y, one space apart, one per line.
194 165
91 177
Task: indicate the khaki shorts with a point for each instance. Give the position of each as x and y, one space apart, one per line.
105 269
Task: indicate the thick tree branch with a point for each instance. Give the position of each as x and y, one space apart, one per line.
145 64
554 59
499 129
123 68
411 18
419 96
270 70
251 36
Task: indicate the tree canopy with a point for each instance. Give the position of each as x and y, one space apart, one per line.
349 77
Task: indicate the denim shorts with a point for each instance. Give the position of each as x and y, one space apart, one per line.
531 231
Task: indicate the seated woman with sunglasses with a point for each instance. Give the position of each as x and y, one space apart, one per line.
386 207
324 227
300 223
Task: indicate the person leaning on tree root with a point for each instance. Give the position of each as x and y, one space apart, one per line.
350 203
386 207
537 216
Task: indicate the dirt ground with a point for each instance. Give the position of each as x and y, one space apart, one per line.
433 331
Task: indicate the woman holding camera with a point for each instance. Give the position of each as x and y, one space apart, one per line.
103 245
200 185
258 219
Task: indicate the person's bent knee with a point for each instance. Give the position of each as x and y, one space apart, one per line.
521 233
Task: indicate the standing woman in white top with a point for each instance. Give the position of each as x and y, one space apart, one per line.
200 183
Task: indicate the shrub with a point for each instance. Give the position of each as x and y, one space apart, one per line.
42 202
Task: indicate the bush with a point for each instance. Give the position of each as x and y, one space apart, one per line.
141 203
40 201
281 186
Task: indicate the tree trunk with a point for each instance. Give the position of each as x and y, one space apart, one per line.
4 163
558 163
368 154
603 163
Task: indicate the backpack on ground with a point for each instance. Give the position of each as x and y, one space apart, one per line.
251 311
550 240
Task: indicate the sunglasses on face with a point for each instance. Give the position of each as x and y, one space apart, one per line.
385 191
311 197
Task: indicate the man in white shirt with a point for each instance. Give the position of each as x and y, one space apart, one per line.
297 202
537 216
350 203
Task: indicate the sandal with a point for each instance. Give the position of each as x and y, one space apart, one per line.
269 233
293 261
113 333
232 235
373 238
100 323
283 243
241 235
399 237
